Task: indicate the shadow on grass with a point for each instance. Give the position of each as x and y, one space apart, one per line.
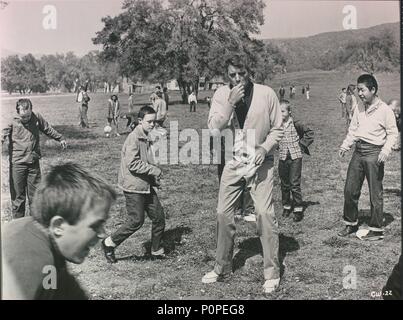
71 132
364 217
171 239
251 247
307 204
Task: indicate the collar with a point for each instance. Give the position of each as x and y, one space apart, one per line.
141 135
248 88
374 106
289 121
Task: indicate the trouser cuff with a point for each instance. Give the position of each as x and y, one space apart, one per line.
298 209
347 223
376 229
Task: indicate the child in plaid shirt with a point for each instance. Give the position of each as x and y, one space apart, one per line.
297 138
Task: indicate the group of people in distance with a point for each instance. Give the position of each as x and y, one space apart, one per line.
71 205
305 90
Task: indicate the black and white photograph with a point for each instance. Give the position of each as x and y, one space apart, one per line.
202 150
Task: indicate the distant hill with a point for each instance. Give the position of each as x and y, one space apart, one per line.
304 53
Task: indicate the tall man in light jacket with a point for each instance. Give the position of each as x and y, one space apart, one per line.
254 109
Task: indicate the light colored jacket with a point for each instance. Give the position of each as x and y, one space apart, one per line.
263 118
160 108
137 171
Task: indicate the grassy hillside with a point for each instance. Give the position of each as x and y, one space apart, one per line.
304 53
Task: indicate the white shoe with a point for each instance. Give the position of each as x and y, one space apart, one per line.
117 134
210 277
271 285
250 217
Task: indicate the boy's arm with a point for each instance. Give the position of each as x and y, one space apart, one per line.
6 132
305 133
134 162
47 129
391 132
351 137
276 132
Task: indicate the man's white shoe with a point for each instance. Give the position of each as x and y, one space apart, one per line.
250 218
210 277
271 285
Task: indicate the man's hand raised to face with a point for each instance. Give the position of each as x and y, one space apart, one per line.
236 94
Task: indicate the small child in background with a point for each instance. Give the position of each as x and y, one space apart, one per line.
114 112
395 106
138 178
297 138
342 99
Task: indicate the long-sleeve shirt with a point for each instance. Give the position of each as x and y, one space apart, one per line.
192 98
263 117
160 108
374 124
24 138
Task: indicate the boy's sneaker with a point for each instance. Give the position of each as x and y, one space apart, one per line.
159 254
347 230
250 217
212 277
109 252
271 285
371 236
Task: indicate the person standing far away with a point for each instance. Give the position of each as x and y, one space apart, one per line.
342 98
153 95
114 112
307 91
374 132
24 153
351 104
160 108
166 96
83 100
282 92
130 111
192 100
255 110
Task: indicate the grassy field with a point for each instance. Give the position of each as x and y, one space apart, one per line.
313 258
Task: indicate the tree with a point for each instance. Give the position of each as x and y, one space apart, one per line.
184 40
11 73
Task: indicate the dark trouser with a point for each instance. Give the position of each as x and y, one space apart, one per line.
290 175
364 164
129 120
24 179
136 205
192 105
83 116
343 110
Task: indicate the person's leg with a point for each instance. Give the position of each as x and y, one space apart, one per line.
34 177
230 190
80 116
295 179
284 174
84 109
352 189
374 173
135 206
156 214
129 121
266 223
18 185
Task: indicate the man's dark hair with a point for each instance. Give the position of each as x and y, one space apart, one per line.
24 103
145 110
66 190
343 89
158 87
369 81
237 61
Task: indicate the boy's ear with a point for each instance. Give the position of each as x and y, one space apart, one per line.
56 226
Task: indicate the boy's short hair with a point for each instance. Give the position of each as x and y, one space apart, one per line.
145 110
65 190
24 103
286 103
369 81
342 89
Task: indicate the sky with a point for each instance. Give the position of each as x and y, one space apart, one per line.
77 21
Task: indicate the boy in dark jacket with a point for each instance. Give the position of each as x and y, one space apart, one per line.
24 152
297 138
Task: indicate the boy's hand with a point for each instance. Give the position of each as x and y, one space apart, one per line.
342 152
260 154
63 143
382 158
